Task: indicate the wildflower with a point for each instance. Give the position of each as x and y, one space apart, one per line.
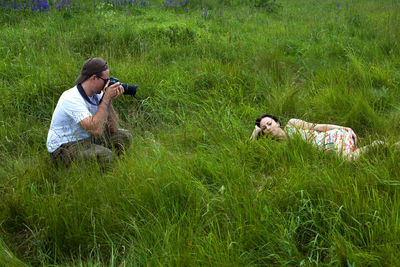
130 200
38 240
338 7
205 13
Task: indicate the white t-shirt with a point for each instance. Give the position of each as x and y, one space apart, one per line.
70 110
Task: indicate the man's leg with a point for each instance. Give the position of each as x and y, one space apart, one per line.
119 140
83 150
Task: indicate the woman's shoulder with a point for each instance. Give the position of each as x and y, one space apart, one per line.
296 123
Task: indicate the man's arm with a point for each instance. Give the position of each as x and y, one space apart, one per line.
95 124
112 120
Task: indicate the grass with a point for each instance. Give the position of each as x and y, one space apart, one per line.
191 189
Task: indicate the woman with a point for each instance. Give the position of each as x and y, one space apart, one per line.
336 138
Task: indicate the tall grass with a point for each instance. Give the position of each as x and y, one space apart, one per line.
191 189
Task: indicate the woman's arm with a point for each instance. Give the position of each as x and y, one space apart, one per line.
300 124
256 133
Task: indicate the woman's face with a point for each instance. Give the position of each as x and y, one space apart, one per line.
270 127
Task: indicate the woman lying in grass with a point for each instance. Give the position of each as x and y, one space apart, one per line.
339 139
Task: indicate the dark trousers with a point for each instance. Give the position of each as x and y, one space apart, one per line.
94 148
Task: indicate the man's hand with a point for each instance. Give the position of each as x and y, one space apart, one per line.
112 92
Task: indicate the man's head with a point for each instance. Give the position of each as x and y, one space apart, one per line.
92 66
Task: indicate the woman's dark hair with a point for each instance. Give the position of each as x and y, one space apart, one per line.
258 120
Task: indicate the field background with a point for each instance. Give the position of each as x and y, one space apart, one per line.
192 190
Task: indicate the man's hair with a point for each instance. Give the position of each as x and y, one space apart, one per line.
258 120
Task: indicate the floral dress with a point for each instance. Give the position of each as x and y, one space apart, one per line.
338 140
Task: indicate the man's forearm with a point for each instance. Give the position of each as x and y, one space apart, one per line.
95 124
112 120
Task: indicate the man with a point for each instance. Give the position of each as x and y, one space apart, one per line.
84 123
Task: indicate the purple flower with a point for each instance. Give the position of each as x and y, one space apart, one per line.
205 13
338 7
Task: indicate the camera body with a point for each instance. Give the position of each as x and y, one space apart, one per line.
128 89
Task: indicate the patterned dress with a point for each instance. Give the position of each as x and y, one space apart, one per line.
338 140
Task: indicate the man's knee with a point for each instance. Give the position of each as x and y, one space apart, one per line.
121 139
99 153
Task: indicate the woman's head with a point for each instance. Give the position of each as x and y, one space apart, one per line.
270 125
258 120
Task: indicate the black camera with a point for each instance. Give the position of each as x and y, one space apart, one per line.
128 89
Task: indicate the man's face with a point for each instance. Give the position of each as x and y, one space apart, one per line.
101 81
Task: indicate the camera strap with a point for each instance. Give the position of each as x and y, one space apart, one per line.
84 95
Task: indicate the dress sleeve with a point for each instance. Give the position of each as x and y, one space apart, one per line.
291 131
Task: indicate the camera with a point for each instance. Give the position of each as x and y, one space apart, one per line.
128 89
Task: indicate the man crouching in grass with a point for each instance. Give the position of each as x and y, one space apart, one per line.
84 123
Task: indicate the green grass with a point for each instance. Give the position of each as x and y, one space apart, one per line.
191 189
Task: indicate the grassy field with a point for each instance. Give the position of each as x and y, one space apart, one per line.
192 190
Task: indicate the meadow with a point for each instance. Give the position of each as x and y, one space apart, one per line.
192 190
